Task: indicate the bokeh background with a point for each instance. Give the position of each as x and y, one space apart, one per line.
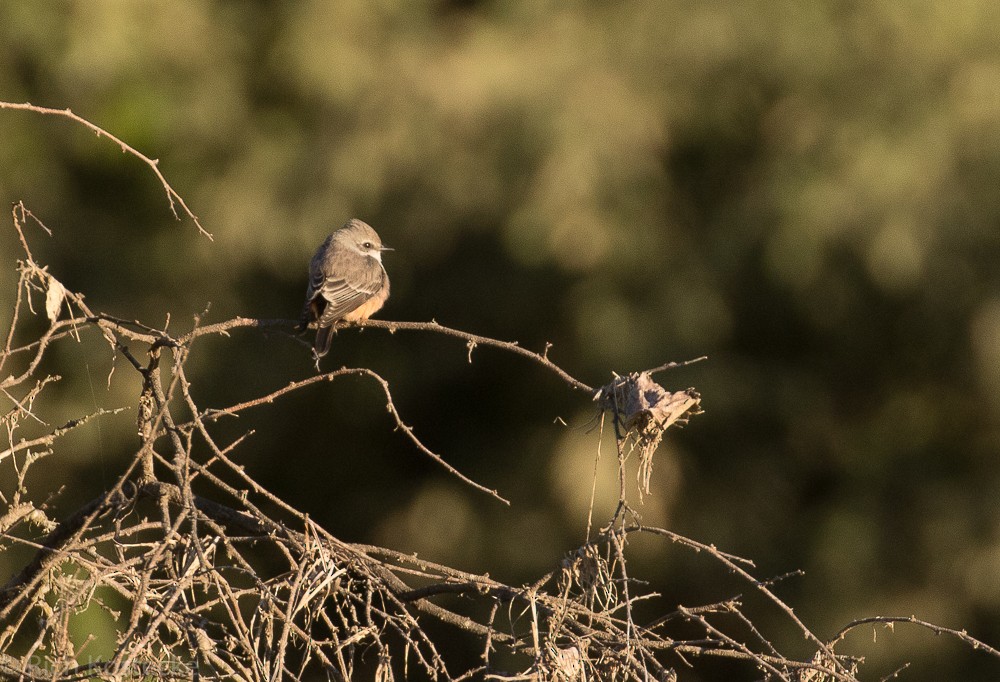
806 192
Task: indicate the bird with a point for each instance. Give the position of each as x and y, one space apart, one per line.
347 281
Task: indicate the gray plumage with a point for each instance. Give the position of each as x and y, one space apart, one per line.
347 281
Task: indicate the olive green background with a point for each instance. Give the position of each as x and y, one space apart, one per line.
806 192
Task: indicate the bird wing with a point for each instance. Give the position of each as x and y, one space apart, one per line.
334 297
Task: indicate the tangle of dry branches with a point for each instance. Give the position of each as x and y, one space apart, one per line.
204 572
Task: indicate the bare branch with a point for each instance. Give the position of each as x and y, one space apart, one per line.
173 197
890 621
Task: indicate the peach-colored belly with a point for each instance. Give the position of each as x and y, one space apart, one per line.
368 308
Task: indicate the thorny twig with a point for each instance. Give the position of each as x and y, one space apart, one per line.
173 197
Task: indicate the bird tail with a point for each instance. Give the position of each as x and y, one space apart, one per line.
324 336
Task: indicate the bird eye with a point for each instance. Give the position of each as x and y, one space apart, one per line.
367 245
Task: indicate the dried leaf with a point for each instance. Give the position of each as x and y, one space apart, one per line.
54 299
644 410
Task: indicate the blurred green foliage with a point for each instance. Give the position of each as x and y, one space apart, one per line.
805 192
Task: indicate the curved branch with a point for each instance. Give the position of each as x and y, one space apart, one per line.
215 414
472 340
173 197
889 621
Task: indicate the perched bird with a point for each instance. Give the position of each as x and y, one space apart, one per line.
347 281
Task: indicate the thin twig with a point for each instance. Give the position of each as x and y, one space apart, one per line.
173 197
889 621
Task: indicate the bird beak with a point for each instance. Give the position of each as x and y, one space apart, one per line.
385 248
